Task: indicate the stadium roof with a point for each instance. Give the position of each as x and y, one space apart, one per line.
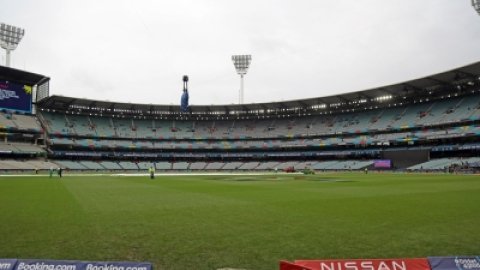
427 85
22 77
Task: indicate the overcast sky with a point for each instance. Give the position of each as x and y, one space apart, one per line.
137 51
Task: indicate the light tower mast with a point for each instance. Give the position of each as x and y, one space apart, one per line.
10 36
241 63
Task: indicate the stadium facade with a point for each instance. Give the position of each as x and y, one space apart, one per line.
430 123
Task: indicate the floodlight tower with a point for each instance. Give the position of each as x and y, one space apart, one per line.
10 36
241 63
476 5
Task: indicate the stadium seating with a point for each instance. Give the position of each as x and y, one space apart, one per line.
442 163
26 122
110 165
163 165
156 139
21 148
144 166
271 165
71 165
285 165
249 165
422 114
323 165
6 121
91 165
6 147
198 165
232 165
215 166
26 165
126 165
180 165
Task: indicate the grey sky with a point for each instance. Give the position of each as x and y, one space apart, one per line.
137 51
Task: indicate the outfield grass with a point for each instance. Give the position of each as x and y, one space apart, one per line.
210 222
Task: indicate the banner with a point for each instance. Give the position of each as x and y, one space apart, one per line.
7 264
290 266
15 96
11 264
366 264
455 263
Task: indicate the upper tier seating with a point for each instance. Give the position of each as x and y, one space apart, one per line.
103 126
57 123
414 115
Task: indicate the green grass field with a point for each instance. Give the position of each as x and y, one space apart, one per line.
210 222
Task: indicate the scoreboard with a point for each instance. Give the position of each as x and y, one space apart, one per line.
16 97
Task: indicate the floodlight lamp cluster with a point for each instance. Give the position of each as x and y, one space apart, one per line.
10 36
476 5
241 63
383 98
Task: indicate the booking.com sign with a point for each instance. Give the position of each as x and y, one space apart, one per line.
13 264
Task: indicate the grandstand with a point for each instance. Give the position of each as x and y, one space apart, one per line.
22 138
437 116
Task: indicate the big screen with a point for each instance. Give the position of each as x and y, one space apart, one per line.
384 163
15 96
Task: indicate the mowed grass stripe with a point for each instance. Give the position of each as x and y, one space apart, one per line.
209 222
39 219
